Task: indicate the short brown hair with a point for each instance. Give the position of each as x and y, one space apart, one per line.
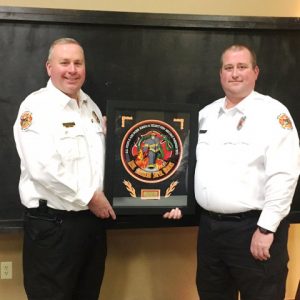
237 47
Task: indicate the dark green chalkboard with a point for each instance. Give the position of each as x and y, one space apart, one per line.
137 57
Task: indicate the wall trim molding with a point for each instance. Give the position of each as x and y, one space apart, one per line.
8 13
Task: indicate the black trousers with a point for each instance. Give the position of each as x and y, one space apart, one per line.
63 255
226 265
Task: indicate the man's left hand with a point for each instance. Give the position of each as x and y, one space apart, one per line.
175 213
260 245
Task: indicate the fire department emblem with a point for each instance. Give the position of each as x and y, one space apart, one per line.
151 151
26 120
285 121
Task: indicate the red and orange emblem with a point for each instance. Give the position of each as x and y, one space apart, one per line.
285 121
26 120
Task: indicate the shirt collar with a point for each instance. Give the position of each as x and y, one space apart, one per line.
63 99
83 98
241 107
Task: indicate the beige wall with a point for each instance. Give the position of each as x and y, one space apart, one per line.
278 8
152 264
142 264
147 264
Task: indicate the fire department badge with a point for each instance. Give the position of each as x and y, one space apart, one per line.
151 151
26 120
285 121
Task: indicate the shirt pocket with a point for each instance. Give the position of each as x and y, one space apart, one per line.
71 143
203 146
238 151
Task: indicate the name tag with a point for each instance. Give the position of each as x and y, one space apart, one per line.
69 124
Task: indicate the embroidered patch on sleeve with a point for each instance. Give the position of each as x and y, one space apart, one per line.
285 121
26 120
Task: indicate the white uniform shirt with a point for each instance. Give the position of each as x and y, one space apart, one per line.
61 147
247 158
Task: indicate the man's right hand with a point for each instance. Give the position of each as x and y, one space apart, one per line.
100 206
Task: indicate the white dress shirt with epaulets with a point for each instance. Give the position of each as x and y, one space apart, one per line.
62 150
247 158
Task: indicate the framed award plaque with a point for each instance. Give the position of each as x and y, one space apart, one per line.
150 157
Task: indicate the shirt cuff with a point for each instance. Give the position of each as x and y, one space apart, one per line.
84 197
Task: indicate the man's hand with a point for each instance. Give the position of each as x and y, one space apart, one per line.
175 213
260 245
100 206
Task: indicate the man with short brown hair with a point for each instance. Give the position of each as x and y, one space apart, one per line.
246 174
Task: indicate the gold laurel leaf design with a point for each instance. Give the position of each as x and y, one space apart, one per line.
171 188
130 188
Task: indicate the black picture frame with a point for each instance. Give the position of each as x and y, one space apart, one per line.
150 157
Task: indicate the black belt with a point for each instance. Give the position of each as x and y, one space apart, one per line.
44 209
233 216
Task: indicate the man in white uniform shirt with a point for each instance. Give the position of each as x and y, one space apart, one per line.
246 173
59 134
60 138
